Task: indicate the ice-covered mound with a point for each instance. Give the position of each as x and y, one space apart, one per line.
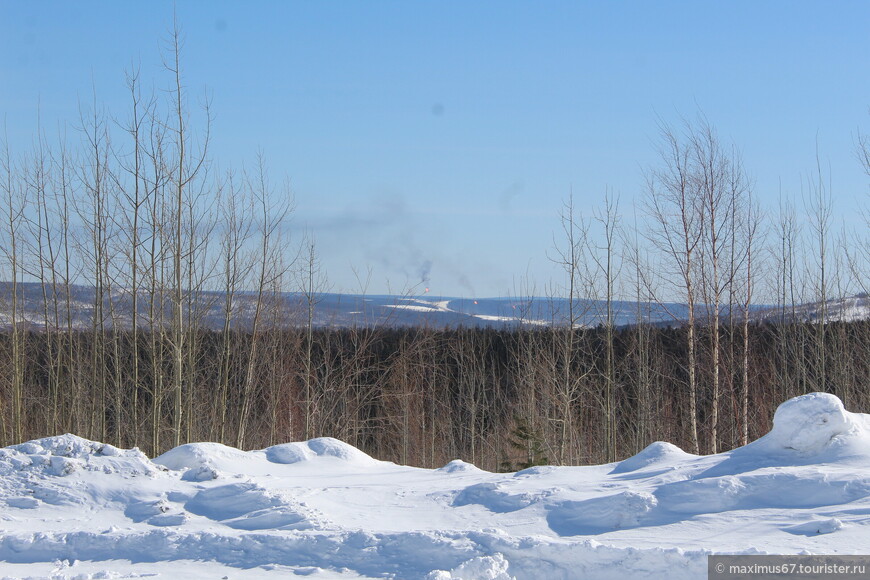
288 453
815 424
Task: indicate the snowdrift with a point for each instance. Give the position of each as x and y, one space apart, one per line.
73 508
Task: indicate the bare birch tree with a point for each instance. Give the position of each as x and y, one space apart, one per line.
676 210
570 252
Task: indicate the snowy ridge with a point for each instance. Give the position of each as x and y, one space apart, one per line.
352 311
73 508
848 309
331 311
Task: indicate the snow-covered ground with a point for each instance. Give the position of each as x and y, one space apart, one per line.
73 508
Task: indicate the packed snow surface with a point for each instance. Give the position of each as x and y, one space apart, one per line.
73 508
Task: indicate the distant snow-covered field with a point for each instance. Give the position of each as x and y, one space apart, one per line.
73 508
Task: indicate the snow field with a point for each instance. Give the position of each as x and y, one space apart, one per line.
73 508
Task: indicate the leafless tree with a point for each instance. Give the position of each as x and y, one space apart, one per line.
676 211
236 212
313 283
819 208
570 253
185 169
749 228
14 212
608 263
272 214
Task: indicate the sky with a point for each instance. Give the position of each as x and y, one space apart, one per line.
434 143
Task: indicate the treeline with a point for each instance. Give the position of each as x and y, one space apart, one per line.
134 207
420 396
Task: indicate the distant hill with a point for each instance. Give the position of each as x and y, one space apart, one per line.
355 310
335 310
847 309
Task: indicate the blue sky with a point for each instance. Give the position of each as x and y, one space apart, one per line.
440 138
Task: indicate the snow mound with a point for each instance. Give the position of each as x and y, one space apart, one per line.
64 455
53 471
655 454
289 453
493 567
203 461
815 528
71 446
207 461
815 425
536 471
459 466
809 423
